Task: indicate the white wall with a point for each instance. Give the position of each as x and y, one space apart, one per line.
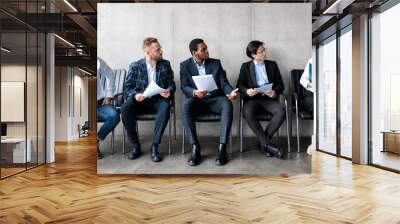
226 28
67 80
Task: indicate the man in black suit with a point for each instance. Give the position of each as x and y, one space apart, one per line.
257 73
151 68
199 101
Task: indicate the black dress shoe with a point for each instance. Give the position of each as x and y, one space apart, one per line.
222 158
195 157
135 152
155 155
264 151
278 153
99 154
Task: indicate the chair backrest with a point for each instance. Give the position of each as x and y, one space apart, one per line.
120 76
297 87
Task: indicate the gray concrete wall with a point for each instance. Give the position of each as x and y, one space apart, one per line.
226 28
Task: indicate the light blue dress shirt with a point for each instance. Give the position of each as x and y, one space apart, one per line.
201 68
261 73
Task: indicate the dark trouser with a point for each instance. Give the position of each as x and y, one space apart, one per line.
217 105
109 115
131 108
259 105
307 102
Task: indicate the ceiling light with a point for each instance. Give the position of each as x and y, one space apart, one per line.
64 40
84 71
70 5
5 50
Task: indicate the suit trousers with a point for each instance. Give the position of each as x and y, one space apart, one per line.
220 105
263 104
157 104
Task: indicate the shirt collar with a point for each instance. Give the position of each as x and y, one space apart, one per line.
258 63
197 63
148 64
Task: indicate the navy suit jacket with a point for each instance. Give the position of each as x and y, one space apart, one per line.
137 78
188 69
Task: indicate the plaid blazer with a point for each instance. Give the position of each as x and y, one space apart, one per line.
137 78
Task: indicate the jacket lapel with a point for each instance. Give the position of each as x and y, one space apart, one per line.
158 73
252 69
269 71
144 72
193 68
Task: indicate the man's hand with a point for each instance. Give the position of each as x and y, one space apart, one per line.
107 101
233 95
139 97
309 85
200 93
251 92
271 93
165 93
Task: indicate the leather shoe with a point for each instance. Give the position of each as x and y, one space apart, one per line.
278 153
264 151
135 152
155 155
222 158
99 154
195 157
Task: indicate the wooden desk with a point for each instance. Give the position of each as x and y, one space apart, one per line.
391 141
13 150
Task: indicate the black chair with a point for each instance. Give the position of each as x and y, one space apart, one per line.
264 117
297 95
209 117
153 116
120 76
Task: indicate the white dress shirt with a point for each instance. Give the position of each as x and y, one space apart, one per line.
151 72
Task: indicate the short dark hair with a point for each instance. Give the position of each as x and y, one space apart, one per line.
148 41
193 44
252 47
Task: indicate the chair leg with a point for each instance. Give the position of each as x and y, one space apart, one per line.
174 125
230 142
169 137
287 127
112 142
123 139
241 133
183 140
297 127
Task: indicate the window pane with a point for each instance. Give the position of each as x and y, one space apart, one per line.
327 97
385 88
345 94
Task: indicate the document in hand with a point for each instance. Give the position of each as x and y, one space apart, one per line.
205 82
152 90
264 88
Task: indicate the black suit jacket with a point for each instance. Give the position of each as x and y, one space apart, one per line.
188 69
247 77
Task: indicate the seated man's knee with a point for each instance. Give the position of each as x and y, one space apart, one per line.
280 112
248 112
187 105
165 106
227 104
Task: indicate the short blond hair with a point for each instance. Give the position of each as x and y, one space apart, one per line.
148 41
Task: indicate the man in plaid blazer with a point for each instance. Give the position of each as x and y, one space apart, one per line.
151 68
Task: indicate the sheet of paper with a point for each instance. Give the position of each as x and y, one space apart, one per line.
264 88
205 82
152 90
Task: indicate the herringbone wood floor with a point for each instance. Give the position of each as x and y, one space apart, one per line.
70 191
